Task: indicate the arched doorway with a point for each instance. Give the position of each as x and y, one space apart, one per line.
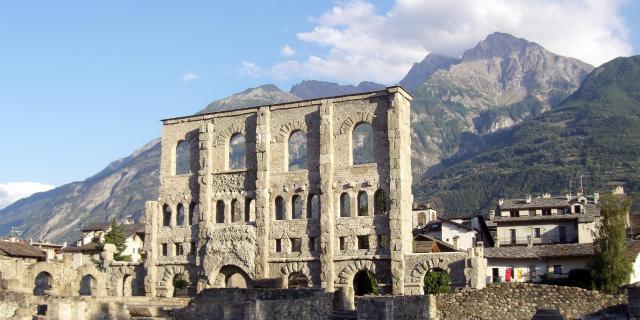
87 285
180 286
298 280
437 281
364 283
234 277
43 282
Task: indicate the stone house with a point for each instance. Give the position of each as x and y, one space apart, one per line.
423 214
88 247
458 235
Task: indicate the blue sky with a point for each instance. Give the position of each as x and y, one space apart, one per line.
84 83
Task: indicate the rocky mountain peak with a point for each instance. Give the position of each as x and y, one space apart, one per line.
264 94
313 89
499 44
421 71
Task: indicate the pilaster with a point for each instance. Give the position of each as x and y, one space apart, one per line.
151 209
327 213
263 157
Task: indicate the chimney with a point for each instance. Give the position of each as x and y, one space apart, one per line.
492 214
618 190
568 195
596 197
500 202
529 241
528 199
546 195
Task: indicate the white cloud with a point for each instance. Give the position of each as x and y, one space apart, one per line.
12 191
364 44
189 76
250 69
287 51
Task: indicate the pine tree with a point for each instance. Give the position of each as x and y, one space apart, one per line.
611 267
115 236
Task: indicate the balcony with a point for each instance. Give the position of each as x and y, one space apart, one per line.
523 241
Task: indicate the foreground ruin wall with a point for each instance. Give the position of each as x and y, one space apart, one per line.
521 300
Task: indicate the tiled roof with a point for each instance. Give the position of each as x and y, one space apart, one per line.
89 247
541 251
571 216
461 215
423 244
20 250
131 229
95 227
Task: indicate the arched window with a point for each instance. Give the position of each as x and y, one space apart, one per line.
237 152
220 211
362 143
422 219
43 282
296 204
87 285
249 210
183 157
193 212
313 206
180 214
279 208
166 215
363 204
345 205
236 211
297 148
380 202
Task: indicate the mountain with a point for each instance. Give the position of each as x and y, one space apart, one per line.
595 133
497 84
462 107
421 71
313 89
251 97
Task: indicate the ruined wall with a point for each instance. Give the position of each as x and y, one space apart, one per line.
521 300
393 308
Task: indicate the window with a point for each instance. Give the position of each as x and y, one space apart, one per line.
312 244
237 152
165 250
166 216
495 273
577 208
183 157
363 204
422 219
248 210
514 213
180 214
343 244
512 236
532 272
192 248
383 241
278 245
279 208
557 269
562 230
313 206
297 148
193 212
236 211
179 249
455 241
296 202
296 245
536 233
362 144
363 242
220 211
380 202
345 205
546 212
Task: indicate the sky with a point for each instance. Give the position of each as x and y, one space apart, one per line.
85 83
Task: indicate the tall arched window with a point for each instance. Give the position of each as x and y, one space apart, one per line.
237 152
363 204
313 206
193 213
220 211
362 143
180 214
296 204
166 215
380 202
249 210
297 148
345 205
279 208
183 157
236 211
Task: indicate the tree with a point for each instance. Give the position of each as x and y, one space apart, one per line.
610 266
115 236
437 281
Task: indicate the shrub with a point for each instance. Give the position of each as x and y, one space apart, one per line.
437 282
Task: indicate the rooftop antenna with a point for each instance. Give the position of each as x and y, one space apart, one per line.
581 186
15 232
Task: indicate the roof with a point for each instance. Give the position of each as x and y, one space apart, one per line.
132 229
20 250
582 217
541 251
537 203
462 215
395 88
633 249
430 241
95 227
89 247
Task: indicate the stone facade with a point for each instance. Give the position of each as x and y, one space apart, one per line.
248 223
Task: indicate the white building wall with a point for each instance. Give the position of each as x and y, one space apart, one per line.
521 267
132 247
549 232
466 237
635 273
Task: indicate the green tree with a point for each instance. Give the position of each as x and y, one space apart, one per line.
611 267
115 236
437 281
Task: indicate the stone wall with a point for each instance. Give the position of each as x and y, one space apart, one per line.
393 308
521 300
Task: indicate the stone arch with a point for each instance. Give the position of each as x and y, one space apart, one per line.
173 272
228 274
297 267
346 276
421 269
286 130
224 137
42 283
98 288
349 123
45 267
